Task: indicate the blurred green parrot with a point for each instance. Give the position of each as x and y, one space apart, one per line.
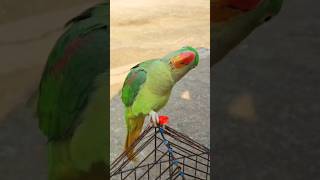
233 20
148 86
73 97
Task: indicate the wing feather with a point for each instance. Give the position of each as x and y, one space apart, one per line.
135 79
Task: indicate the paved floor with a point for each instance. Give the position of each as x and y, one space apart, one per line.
147 29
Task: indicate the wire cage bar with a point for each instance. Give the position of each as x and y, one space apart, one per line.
163 153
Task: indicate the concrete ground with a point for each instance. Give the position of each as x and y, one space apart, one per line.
147 29
265 100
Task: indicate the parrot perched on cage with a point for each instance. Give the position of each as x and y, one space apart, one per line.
147 88
72 99
233 20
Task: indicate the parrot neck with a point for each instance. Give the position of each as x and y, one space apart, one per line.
178 74
160 80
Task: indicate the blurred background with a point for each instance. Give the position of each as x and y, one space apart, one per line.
265 100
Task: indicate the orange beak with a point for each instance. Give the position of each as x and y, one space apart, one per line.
183 59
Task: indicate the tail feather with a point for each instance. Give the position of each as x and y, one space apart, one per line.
133 133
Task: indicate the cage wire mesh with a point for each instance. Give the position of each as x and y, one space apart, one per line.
163 153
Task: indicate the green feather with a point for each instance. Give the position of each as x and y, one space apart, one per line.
132 84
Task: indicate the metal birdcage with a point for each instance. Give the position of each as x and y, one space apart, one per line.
163 153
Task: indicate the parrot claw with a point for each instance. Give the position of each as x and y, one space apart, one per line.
153 117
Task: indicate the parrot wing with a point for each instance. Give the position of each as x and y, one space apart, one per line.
132 84
78 57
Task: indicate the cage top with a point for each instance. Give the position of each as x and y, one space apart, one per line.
163 146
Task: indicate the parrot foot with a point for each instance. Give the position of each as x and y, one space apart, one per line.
153 117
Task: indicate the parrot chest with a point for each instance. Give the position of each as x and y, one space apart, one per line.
155 92
159 80
148 101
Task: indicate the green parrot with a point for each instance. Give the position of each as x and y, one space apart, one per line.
147 88
73 98
233 20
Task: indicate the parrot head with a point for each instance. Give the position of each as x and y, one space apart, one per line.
181 61
234 20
